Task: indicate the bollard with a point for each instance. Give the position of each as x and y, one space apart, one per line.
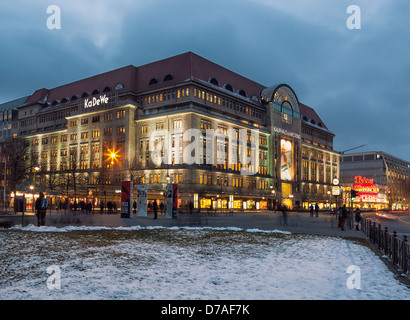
385 241
394 240
404 254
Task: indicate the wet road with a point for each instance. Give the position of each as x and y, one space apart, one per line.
394 221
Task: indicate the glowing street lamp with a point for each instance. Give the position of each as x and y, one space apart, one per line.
113 156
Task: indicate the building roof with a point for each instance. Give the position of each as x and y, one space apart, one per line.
310 117
12 104
176 69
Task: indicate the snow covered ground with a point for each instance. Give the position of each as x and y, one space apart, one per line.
187 263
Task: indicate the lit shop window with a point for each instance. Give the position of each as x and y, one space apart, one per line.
96 133
120 130
120 114
177 123
144 128
108 116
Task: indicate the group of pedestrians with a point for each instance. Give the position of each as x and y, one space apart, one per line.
315 209
111 206
344 215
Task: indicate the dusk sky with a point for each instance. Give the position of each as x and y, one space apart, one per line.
357 80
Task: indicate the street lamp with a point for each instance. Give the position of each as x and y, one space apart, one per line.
113 156
32 192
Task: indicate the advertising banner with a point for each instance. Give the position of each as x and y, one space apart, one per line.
126 198
142 200
286 160
172 201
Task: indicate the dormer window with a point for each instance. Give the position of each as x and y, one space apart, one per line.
228 87
168 77
153 81
242 93
214 82
119 86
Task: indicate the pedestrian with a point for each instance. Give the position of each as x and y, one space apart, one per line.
101 207
311 210
161 207
343 218
134 206
191 207
358 218
285 215
155 208
339 216
317 210
41 208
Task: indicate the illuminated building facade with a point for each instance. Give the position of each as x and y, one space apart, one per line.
381 180
131 124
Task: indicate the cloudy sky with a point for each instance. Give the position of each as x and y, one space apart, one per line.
357 80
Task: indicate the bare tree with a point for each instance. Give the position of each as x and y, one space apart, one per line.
18 165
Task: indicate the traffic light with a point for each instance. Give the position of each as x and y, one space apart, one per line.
353 194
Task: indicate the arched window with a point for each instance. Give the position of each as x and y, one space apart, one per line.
119 86
95 92
107 89
214 82
85 94
287 112
64 100
242 93
55 102
153 81
74 97
255 98
312 121
305 118
168 77
228 87
319 124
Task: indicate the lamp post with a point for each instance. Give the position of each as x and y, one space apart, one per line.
5 177
32 192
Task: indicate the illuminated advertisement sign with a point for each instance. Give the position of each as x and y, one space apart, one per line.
286 160
366 197
89 103
363 187
360 179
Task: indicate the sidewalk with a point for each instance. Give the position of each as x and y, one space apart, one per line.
297 222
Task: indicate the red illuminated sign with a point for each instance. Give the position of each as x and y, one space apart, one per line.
367 197
363 187
360 179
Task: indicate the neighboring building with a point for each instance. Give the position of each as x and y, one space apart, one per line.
88 136
8 112
381 180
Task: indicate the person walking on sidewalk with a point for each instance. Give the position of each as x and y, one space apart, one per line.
343 218
155 208
317 210
285 215
311 210
41 208
357 217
